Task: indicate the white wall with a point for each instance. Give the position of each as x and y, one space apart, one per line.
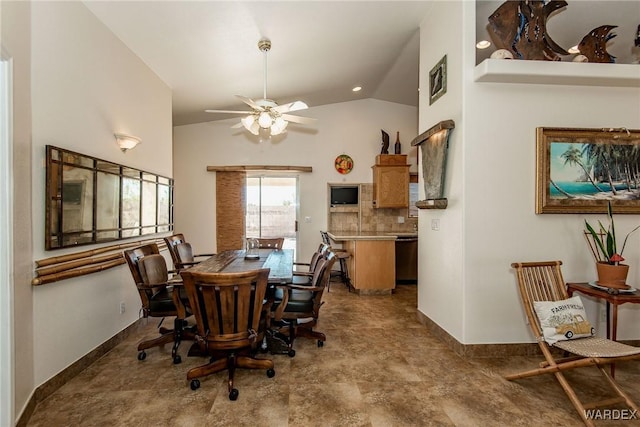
16 41
87 85
351 128
441 253
491 188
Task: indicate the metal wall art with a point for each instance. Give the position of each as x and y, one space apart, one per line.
438 80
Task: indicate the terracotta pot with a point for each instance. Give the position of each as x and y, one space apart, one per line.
612 276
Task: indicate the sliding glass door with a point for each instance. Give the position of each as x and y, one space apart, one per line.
272 207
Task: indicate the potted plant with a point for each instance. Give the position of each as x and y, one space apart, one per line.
611 273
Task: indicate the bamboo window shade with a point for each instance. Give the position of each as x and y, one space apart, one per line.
230 208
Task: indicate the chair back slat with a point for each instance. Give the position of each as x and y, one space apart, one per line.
539 281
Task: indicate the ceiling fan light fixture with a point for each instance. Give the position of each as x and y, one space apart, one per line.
279 126
250 124
264 120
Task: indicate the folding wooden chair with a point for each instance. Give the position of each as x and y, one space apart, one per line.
542 281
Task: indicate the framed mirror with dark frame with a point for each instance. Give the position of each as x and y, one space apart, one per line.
90 200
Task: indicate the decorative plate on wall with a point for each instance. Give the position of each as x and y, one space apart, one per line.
344 164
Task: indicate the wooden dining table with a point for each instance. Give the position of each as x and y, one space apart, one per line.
279 261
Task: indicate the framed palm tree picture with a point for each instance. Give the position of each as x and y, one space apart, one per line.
580 170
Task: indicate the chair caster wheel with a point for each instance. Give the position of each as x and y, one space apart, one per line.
320 343
177 359
234 394
291 353
142 355
195 384
271 373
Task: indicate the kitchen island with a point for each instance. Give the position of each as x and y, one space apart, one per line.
372 265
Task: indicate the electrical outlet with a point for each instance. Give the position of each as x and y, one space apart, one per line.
400 220
122 307
435 224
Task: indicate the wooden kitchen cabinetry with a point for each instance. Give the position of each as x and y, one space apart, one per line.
391 181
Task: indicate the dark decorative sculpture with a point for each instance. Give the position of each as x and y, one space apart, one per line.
385 142
521 28
594 44
637 39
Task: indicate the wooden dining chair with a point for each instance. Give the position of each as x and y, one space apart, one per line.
158 296
181 252
543 281
231 323
294 303
274 243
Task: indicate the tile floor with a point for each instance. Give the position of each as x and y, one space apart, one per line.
379 367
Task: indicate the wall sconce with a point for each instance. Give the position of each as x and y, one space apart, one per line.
126 142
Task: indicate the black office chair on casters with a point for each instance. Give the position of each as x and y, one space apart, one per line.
342 255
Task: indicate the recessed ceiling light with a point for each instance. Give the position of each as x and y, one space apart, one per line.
357 89
574 49
483 44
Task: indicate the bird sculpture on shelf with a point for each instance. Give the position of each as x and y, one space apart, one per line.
521 28
594 44
385 142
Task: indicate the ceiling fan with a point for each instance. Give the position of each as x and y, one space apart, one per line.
266 113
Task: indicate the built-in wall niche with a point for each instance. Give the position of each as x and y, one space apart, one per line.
89 200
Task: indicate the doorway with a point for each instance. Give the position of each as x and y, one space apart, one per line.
272 208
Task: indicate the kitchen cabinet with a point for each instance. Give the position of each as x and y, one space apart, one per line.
391 181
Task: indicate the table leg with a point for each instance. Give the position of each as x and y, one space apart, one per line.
614 333
608 306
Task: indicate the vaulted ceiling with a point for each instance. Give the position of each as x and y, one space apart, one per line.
206 51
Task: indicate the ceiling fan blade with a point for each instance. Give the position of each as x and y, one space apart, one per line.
237 125
250 102
299 119
292 106
228 112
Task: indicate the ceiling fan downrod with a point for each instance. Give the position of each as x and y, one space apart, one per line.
265 46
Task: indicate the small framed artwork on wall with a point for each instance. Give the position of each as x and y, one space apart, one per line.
438 80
